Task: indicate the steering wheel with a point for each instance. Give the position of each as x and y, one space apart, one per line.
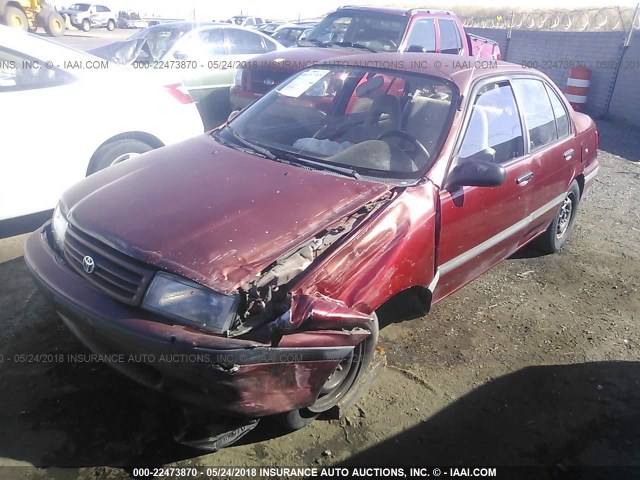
418 146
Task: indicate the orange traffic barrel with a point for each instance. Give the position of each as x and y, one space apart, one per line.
578 87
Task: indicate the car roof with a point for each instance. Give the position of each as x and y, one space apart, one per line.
396 11
458 69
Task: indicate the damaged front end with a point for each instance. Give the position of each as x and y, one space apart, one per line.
267 298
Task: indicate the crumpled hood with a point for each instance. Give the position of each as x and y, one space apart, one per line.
210 213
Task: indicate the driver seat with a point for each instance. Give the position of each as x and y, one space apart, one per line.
383 115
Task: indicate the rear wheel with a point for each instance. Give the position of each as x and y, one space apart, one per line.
111 25
116 152
16 18
556 235
340 384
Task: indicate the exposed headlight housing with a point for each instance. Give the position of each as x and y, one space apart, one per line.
59 225
237 81
191 303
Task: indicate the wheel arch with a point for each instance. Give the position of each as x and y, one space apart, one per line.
580 180
147 138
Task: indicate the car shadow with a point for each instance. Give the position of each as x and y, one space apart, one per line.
61 408
557 415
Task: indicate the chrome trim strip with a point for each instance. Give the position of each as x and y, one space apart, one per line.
589 177
496 239
434 282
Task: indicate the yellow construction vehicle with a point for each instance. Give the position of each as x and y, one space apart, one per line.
31 14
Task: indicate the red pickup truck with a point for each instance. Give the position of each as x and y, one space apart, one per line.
352 30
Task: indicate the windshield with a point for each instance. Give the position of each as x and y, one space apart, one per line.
81 7
375 122
380 32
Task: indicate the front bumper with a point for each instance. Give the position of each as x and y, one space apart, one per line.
230 376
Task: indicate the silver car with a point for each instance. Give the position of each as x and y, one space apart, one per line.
89 15
205 55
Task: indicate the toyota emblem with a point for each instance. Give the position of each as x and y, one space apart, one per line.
88 264
269 82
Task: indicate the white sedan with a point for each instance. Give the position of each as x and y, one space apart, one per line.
65 114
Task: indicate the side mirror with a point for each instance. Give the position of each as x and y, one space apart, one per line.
233 115
476 173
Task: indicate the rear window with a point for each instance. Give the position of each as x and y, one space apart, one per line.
377 31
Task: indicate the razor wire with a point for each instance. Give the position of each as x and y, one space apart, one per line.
591 20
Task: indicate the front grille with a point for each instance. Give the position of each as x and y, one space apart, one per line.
259 76
115 274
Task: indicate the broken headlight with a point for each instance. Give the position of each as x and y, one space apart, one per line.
59 225
188 302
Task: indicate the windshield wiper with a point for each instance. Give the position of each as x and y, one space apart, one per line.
256 148
350 172
353 45
287 157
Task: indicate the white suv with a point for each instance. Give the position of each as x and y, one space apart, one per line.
87 15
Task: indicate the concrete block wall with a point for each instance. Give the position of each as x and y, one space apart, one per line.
553 52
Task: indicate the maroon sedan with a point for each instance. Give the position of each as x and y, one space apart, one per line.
244 267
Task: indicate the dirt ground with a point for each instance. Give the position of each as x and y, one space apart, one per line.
535 363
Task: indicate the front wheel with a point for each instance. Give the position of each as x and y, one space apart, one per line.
16 18
556 235
86 25
116 152
340 384
111 25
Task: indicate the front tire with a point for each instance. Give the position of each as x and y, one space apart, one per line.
340 384
86 25
116 152
111 25
556 235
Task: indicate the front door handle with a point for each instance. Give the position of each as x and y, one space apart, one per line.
524 179
568 155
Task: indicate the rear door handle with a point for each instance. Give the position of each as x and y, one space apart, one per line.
568 155
524 179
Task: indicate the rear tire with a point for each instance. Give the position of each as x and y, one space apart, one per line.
54 25
86 25
111 25
116 152
339 385
16 18
556 235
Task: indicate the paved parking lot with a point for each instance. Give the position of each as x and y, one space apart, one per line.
91 39
535 363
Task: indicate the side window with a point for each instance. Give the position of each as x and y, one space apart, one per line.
102 9
422 37
271 46
450 41
494 131
19 72
538 114
214 41
241 42
208 42
560 112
